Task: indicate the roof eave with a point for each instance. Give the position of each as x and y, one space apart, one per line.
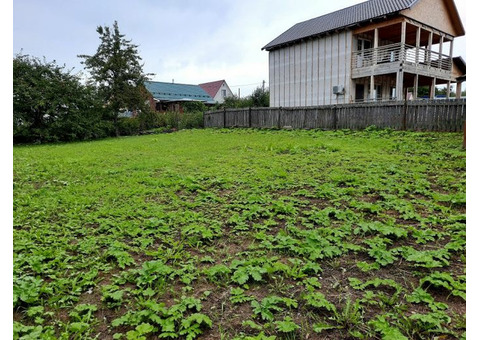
325 33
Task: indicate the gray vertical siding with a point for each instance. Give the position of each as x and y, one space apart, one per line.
304 74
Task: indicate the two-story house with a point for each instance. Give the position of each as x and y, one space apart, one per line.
375 50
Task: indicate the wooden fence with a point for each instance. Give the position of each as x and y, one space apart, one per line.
421 115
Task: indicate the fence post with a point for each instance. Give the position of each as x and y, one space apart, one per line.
405 110
335 118
280 110
249 117
224 117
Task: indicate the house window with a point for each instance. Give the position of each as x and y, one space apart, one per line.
224 93
363 44
363 58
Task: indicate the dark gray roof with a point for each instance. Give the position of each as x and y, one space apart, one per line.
340 19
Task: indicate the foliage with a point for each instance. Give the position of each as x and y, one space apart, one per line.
117 72
260 97
51 104
192 107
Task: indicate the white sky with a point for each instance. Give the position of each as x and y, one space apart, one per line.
190 41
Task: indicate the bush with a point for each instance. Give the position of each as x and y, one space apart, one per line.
178 121
128 126
50 104
192 120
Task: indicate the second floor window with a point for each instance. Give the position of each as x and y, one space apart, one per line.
363 44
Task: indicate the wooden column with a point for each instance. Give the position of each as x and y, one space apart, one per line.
417 45
402 41
432 88
415 87
451 55
448 89
459 90
440 50
399 85
429 48
375 55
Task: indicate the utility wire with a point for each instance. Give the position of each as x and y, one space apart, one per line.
246 85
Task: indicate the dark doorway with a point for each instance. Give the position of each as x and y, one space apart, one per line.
359 92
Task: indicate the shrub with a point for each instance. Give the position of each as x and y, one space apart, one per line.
128 126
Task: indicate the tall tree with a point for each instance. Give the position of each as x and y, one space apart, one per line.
117 71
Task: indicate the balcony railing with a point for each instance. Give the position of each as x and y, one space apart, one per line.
406 54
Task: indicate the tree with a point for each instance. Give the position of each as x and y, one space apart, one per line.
117 72
260 97
51 104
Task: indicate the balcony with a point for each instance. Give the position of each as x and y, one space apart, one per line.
391 58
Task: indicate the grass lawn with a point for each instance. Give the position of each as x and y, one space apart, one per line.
241 234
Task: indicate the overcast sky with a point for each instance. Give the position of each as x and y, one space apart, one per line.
190 41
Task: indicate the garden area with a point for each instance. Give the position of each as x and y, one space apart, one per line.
241 234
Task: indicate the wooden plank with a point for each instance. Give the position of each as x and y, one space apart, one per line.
435 115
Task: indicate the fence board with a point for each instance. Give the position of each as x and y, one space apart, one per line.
425 115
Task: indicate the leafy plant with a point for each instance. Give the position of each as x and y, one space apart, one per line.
181 319
389 332
218 273
244 271
433 322
419 295
318 300
287 325
27 290
112 295
378 250
271 304
117 252
237 295
445 280
427 258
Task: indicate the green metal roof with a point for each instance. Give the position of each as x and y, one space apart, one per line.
171 92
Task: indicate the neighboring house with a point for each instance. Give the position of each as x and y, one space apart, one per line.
375 50
171 96
218 90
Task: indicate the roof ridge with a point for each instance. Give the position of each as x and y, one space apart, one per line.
169 83
340 19
211 82
212 87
